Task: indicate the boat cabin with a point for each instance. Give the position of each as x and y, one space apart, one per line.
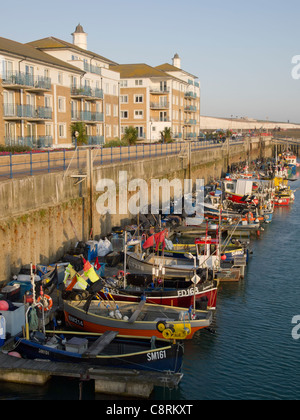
208 252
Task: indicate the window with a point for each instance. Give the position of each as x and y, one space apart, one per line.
124 114
115 110
7 69
115 130
124 99
140 131
48 130
10 131
62 131
48 101
60 78
123 83
138 114
61 104
108 109
74 57
138 99
230 187
139 83
74 81
108 131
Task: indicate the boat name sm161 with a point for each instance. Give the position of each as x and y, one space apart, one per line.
156 355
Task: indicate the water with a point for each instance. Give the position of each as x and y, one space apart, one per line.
252 355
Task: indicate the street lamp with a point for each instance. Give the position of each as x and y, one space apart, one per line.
76 134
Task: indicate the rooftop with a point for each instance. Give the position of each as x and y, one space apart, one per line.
28 52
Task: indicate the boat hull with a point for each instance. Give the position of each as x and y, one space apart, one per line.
76 317
165 356
183 298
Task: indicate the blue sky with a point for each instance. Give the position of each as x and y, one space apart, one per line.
241 51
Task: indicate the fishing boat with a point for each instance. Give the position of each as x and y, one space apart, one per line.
106 350
173 267
139 319
284 196
130 287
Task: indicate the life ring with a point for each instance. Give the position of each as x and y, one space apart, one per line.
41 302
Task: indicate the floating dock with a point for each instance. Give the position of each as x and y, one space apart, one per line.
120 382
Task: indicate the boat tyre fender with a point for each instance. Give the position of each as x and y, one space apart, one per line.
161 326
45 302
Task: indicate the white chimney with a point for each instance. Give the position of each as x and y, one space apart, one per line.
80 37
176 61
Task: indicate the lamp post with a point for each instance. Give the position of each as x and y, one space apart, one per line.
76 134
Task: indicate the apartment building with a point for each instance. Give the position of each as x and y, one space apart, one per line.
35 108
185 100
155 98
95 93
49 84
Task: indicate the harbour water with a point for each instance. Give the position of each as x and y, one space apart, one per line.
252 355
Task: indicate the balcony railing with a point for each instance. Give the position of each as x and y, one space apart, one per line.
87 91
190 108
87 116
190 122
33 142
95 140
159 105
160 90
92 69
27 80
190 95
27 111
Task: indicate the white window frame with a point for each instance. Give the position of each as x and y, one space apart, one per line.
124 115
62 131
138 114
61 104
137 98
124 99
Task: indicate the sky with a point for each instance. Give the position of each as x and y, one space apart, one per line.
240 50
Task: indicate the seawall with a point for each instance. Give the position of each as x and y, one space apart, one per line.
43 216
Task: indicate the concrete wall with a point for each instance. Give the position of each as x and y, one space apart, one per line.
42 217
212 123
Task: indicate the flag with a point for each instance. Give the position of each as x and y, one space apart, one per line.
69 273
160 238
89 271
97 265
149 242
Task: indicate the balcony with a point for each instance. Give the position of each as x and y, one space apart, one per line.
28 112
190 95
161 119
190 108
92 69
87 92
95 140
190 122
159 105
19 80
33 142
87 116
159 91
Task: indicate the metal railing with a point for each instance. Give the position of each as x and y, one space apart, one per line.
34 163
